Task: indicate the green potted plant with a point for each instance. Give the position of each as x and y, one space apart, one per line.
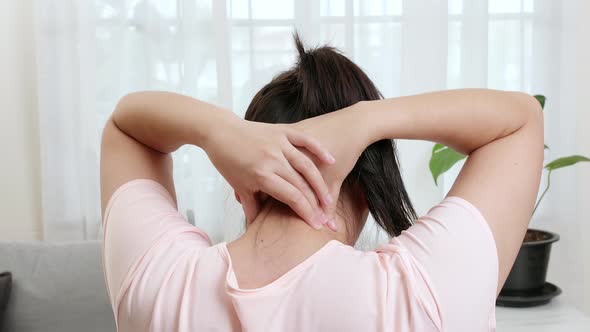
526 284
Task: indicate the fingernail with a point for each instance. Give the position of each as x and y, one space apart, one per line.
319 221
330 158
329 199
324 218
332 225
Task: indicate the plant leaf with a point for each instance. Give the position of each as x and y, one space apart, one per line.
546 147
442 159
541 100
565 161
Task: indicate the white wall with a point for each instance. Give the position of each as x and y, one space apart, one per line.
576 27
584 174
19 145
567 205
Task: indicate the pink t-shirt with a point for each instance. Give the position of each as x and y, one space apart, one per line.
163 274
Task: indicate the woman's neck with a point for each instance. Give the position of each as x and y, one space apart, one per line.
275 242
276 222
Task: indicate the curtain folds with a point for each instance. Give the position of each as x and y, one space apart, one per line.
89 54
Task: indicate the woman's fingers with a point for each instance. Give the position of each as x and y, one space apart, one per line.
309 170
292 176
289 174
302 140
287 193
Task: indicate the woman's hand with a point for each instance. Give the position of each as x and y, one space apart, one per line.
260 158
346 134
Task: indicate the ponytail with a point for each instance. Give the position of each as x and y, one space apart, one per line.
323 80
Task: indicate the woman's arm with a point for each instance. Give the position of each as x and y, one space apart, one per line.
165 121
147 126
465 119
502 132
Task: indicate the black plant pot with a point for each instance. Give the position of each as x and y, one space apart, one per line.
526 284
529 271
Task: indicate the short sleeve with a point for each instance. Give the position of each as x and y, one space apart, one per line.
140 217
453 246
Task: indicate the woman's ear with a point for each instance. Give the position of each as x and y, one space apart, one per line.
237 197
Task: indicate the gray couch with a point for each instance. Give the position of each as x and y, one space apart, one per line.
56 287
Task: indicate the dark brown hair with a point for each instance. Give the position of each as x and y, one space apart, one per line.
323 80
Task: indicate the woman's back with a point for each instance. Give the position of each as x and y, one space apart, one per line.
171 278
318 139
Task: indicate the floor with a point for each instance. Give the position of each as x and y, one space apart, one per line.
554 316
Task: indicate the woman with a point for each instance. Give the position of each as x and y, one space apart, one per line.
306 187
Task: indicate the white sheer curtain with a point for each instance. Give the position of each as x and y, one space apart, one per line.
90 54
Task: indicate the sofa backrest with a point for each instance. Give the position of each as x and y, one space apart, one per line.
56 287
